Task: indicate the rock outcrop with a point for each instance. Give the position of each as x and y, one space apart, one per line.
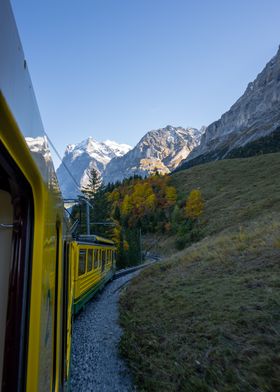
254 116
160 150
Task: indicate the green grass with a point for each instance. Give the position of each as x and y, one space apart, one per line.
208 318
235 190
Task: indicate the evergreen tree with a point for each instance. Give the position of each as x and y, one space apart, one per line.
101 213
94 182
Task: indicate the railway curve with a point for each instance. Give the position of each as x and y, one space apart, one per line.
96 364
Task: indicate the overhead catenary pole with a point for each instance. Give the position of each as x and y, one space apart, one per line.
88 218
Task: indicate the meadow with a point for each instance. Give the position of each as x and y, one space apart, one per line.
207 318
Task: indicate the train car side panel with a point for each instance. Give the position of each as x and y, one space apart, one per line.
44 331
89 280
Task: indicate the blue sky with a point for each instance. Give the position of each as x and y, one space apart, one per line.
115 69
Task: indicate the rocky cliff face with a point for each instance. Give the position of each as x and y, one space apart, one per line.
159 150
255 115
81 158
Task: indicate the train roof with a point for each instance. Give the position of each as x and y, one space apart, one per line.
93 239
16 91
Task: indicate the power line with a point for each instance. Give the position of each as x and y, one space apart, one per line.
64 164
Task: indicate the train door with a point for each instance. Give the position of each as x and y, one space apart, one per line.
6 224
16 224
66 323
57 312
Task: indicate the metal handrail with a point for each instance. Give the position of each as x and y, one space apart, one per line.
6 226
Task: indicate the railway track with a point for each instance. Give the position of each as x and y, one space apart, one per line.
126 271
96 364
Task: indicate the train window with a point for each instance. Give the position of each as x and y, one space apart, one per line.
82 262
16 235
103 260
89 260
96 258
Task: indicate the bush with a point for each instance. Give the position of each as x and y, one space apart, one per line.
180 243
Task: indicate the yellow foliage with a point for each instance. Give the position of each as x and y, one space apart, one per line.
171 195
143 197
194 204
114 196
126 206
151 201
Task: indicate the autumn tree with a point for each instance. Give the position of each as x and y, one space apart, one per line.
126 205
194 205
171 195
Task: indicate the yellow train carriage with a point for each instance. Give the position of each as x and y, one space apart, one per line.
36 285
94 265
43 273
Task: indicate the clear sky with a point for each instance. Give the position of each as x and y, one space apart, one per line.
115 69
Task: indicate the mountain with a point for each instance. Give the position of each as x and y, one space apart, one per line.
159 150
250 127
80 158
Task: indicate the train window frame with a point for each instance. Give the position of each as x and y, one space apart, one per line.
56 325
103 259
96 259
89 260
84 253
14 364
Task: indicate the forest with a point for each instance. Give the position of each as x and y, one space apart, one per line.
127 210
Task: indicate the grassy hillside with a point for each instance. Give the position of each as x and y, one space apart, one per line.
235 191
207 318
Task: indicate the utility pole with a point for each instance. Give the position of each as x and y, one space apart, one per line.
88 217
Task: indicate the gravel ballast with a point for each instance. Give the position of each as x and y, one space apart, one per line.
96 364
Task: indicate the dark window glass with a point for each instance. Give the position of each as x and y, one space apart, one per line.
82 261
109 252
96 258
103 260
89 260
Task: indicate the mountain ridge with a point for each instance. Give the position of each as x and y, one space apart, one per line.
255 115
159 150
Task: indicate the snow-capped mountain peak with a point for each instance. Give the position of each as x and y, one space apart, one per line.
80 158
119 149
159 150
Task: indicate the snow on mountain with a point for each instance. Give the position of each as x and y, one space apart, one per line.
119 149
81 158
